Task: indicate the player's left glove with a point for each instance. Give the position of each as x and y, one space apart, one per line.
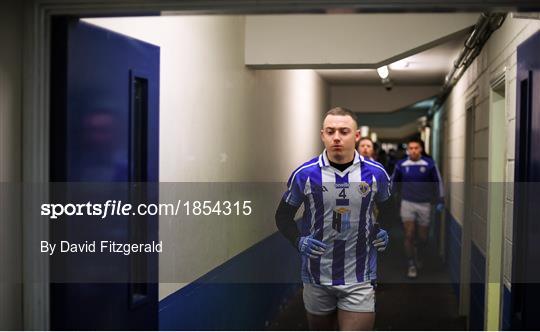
381 241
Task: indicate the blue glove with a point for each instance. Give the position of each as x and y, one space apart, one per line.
310 247
439 207
381 241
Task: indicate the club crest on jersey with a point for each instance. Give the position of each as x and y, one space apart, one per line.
364 189
422 169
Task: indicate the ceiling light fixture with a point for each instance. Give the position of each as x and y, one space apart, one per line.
383 72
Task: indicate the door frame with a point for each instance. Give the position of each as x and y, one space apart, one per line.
466 237
496 202
36 93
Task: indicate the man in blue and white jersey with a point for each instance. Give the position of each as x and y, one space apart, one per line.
339 237
420 184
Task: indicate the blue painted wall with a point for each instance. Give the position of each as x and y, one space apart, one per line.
453 252
244 293
478 275
478 284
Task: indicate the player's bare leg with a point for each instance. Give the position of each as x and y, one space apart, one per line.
410 230
423 233
355 321
322 322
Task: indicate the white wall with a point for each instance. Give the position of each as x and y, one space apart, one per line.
222 124
498 56
287 118
10 164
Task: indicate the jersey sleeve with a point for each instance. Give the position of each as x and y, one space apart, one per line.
295 190
396 177
384 186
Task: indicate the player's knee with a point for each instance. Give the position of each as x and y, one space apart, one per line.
409 236
423 237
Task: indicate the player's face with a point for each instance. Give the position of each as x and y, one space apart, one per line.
365 148
414 150
339 135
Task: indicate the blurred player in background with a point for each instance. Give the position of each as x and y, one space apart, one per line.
418 181
365 148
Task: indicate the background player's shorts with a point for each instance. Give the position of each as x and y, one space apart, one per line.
419 212
323 300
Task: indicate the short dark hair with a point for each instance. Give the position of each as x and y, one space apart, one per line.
342 111
416 140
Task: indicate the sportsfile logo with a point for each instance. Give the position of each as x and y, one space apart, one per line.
104 210
117 208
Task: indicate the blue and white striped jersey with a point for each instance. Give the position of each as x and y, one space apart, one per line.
420 180
338 210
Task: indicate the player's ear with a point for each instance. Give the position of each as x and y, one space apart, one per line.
357 135
322 134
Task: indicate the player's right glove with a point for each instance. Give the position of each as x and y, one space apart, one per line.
310 247
381 241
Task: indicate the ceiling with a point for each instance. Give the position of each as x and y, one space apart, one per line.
416 80
428 67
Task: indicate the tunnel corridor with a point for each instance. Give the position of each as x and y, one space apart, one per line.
199 105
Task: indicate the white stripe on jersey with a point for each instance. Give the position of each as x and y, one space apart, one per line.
419 162
350 246
307 191
368 223
328 177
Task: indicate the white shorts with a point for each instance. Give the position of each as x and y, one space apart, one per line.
323 300
419 212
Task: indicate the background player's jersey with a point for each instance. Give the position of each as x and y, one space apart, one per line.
419 180
338 210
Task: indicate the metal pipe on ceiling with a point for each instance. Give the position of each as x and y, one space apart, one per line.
487 24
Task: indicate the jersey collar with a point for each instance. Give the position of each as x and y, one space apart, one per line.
324 162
